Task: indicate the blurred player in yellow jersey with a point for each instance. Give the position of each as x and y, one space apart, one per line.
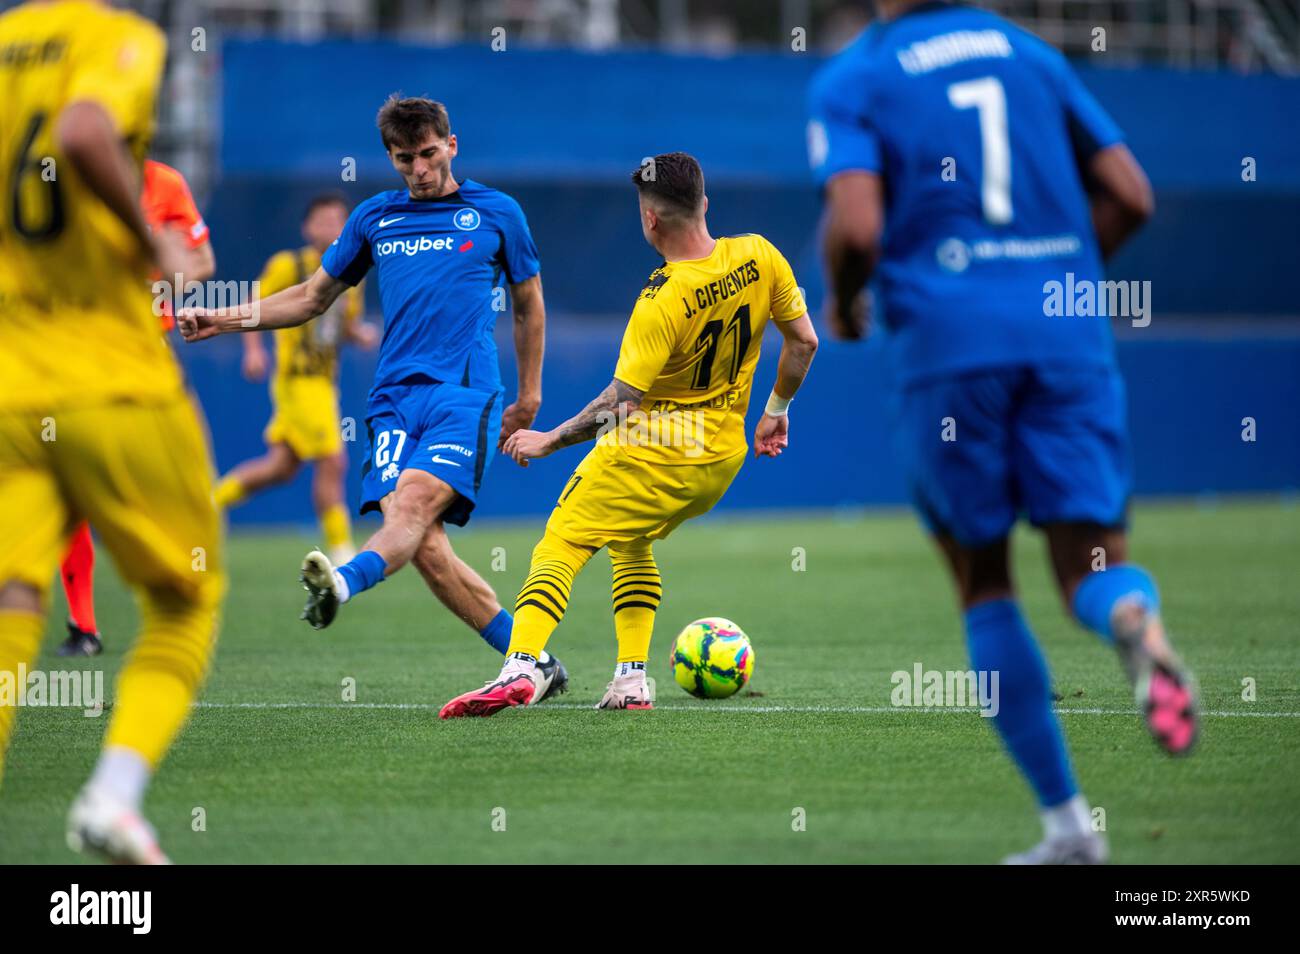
671 428
305 423
95 423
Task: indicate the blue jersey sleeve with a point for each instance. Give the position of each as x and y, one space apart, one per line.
348 258
1091 128
518 250
840 137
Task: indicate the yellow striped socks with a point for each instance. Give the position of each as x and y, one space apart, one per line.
545 594
637 591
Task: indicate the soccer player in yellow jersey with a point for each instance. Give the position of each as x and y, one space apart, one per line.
95 423
671 428
305 423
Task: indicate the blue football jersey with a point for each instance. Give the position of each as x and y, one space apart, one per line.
979 131
438 264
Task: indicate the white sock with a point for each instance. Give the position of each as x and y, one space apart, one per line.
1068 819
122 773
544 658
341 585
628 668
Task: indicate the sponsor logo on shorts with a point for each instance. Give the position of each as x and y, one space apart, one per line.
456 448
390 472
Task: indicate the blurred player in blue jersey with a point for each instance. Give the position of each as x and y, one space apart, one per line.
966 168
441 250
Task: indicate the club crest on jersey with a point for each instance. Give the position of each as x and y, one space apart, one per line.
467 220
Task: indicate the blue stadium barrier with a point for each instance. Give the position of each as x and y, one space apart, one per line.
560 130
1187 402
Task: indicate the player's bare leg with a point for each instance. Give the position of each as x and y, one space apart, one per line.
468 596
1124 611
327 478
999 640
278 465
454 581
417 501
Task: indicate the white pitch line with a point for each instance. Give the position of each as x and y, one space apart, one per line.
862 710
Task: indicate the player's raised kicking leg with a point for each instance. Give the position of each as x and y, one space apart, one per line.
1118 601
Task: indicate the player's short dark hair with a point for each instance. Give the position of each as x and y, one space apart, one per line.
405 121
322 199
675 181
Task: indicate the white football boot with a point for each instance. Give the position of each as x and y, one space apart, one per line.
107 826
629 690
1088 848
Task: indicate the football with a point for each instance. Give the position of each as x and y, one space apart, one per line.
712 658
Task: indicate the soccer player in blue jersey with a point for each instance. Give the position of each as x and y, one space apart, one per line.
441 249
966 168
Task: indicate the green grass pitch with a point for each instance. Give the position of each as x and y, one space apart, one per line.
286 771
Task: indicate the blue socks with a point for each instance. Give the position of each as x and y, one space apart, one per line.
497 633
999 641
1097 594
363 571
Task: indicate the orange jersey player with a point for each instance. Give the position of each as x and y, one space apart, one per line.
167 203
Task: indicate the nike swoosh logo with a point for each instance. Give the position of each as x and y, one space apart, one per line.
384 222
437 459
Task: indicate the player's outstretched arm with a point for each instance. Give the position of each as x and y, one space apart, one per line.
530 343
772 434
614 403
851 228
1121 197
295 305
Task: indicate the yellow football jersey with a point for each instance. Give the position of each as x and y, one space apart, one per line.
76 317
692 344
312 348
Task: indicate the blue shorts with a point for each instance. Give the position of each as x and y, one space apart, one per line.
443 429
981 448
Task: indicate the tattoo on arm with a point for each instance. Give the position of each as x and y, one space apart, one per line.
587 423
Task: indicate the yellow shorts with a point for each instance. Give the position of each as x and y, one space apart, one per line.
306 416
615 498
140 473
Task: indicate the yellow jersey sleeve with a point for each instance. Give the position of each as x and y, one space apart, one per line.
122 72
787 300
648 343
279 273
